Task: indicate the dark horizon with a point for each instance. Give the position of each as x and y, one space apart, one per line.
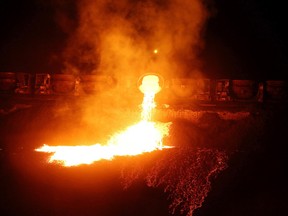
243 39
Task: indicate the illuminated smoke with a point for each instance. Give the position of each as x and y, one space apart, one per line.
118 38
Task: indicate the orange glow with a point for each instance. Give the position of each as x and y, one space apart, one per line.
145 136
149 87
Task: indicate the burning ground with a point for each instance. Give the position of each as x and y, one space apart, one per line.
221 164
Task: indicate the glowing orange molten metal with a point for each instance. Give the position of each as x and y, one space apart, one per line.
145 136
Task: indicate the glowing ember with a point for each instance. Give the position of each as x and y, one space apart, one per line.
145 136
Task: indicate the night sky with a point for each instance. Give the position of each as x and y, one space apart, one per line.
243 39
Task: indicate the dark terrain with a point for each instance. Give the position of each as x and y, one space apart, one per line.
254 183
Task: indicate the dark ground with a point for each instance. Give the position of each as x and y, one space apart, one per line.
31 186
255 182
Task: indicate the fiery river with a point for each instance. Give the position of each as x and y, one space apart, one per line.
145 136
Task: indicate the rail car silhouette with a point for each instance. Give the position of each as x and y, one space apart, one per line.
176 89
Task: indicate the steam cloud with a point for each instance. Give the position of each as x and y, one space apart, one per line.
117 38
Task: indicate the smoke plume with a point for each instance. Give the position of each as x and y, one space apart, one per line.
118 38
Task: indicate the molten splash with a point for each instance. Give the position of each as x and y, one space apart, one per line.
149 87
145 136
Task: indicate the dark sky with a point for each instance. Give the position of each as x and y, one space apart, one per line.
247 39
244 39
29 36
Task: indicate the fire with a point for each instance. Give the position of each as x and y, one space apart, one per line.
145 136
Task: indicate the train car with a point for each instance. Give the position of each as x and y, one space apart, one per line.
244 90
275 90
42 84
94 83
63 84
222 90
23 83
7 82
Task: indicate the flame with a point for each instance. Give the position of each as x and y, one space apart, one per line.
145 136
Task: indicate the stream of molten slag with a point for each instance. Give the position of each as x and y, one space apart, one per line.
145 136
